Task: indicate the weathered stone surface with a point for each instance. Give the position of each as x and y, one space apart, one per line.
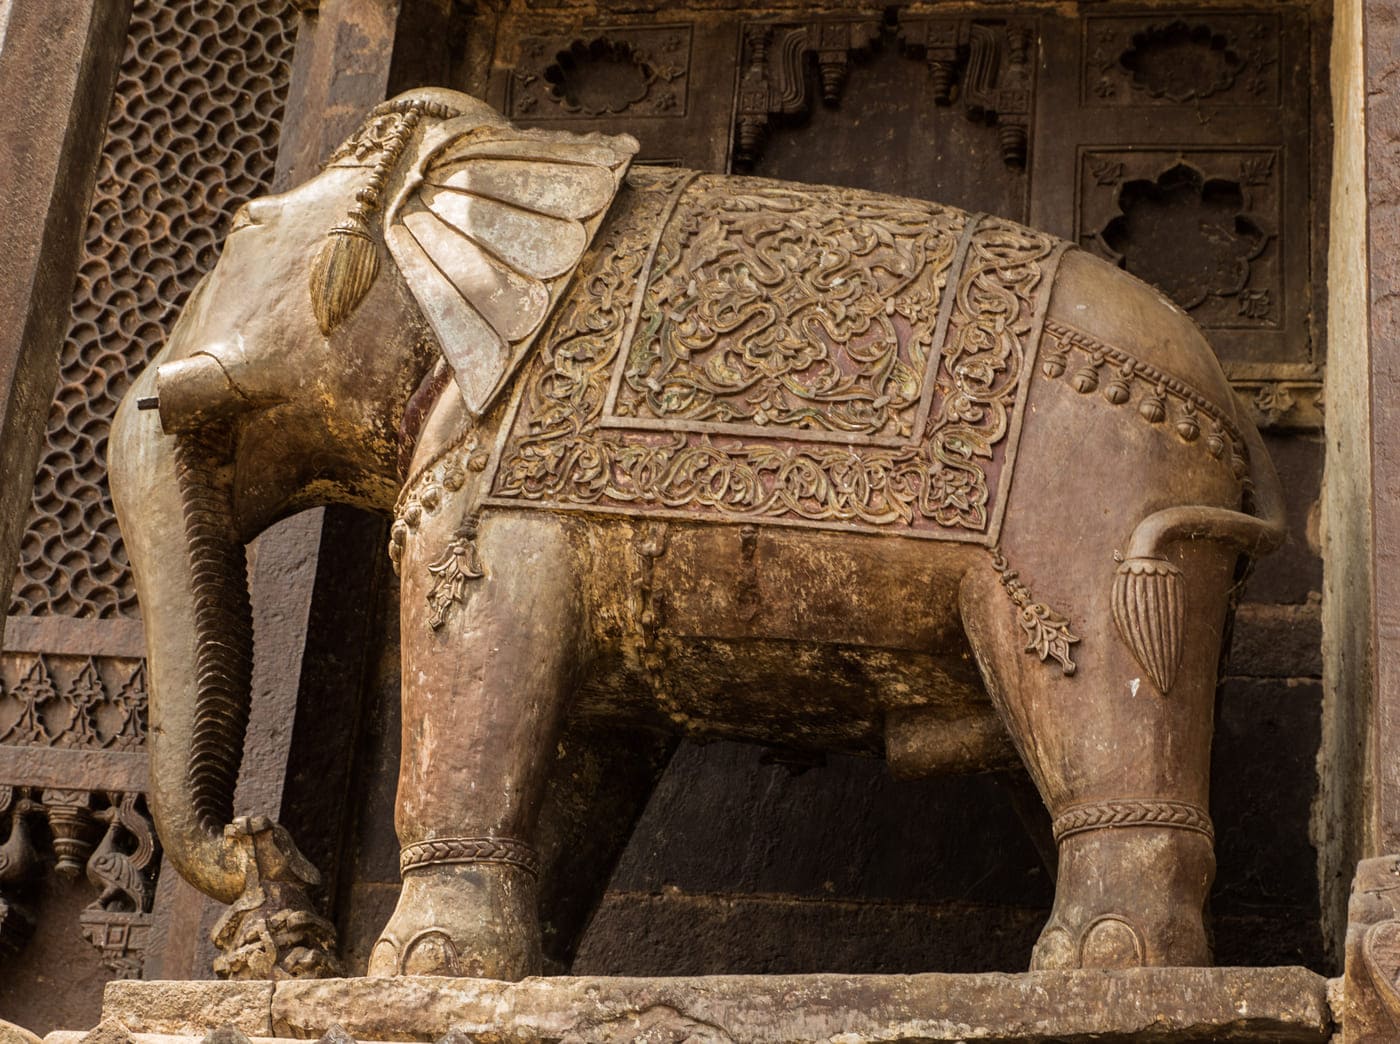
1161 1004
190 1007
12 1034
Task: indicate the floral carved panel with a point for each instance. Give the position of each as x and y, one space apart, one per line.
602 73
1202 225
1186 58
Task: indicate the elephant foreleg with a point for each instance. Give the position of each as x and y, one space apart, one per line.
491 640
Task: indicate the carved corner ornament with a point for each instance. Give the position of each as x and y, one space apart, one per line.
273 931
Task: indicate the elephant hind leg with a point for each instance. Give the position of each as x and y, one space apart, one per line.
487 675
1122 767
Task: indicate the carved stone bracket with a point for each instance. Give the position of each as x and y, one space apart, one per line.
983 65
121 866
773 80
1371 983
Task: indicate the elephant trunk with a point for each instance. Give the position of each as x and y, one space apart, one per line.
195 606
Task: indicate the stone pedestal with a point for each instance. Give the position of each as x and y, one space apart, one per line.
1161 1004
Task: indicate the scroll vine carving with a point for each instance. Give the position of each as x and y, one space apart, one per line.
778 310
762 387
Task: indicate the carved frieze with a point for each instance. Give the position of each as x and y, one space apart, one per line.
724 391
1219 209
632 71
82 702
106 835
1193 58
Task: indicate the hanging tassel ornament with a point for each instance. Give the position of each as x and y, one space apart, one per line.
1149 607
343 271
347 264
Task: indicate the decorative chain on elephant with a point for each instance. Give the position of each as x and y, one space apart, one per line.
672 452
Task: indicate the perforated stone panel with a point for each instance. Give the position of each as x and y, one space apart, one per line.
192 135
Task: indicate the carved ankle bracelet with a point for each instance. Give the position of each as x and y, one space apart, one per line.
443 851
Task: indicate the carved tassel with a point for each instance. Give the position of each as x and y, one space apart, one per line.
1149 607
344 270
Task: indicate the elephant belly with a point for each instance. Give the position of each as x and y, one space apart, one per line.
813 641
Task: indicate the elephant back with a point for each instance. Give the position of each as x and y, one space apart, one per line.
1134 327
740 349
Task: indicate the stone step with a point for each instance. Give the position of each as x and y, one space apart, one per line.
1152 1004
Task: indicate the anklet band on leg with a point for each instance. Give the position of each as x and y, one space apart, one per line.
448 850
1106 815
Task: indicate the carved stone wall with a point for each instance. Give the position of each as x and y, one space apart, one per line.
192 134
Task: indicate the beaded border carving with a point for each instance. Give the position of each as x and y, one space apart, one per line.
1165 398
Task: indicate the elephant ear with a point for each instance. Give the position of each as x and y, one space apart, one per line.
487 230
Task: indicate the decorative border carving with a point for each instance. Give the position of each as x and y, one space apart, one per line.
451 850
1109 815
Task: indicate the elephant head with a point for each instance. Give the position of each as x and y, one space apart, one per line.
436 232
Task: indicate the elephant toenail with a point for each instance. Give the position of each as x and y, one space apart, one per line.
1054 951
1111 942
430 952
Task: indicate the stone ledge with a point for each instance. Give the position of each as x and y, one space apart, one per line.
1155 1004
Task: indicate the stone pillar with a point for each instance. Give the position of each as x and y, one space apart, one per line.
58 67
1362 755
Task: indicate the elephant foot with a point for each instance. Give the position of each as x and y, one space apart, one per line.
478 920
1129 897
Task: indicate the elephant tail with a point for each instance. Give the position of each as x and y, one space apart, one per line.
1149 594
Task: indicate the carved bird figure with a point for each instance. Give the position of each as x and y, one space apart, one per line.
121 875
17 855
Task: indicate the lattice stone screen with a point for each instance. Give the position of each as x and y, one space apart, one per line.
192 134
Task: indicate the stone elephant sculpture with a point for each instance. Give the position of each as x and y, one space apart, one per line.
693 454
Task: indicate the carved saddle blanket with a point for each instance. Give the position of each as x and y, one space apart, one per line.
745 350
